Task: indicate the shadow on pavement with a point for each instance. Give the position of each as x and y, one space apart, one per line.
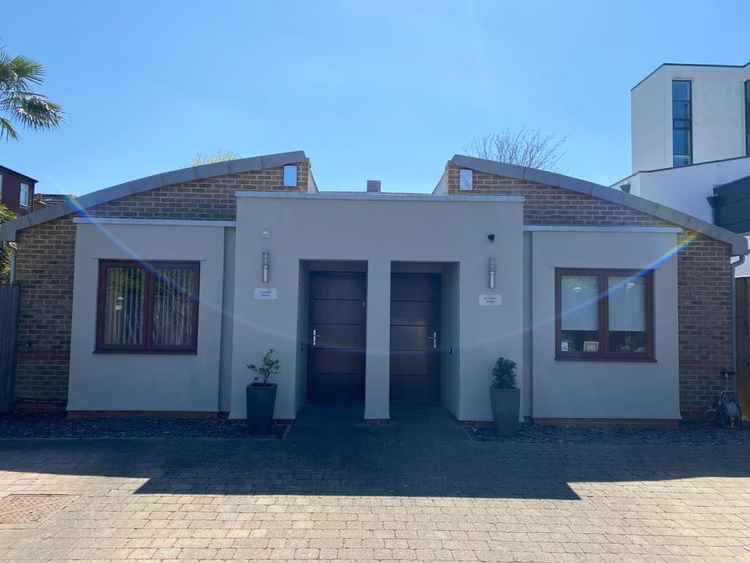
330 451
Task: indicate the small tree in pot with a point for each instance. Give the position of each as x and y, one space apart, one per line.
505 397
261 395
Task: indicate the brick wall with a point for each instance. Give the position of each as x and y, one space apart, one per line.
44 268
704 277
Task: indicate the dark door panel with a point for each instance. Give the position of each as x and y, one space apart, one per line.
344 312
415 325
337 321
411 338
412 313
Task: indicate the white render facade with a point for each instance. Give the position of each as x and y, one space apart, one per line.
333 232
719 120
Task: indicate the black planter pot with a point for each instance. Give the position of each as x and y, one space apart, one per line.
506 404
261 398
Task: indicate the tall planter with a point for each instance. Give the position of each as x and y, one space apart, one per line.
261 399
506 405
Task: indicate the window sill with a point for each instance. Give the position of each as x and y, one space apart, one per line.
146 352
606 359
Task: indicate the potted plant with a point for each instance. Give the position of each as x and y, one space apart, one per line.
261 395
505 397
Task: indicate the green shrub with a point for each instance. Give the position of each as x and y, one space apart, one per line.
504 374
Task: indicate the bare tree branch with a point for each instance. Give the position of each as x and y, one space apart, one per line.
525 147
221 156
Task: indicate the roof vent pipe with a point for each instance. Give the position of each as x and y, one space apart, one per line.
373 185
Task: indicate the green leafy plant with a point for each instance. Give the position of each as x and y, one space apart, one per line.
19 102
5 249
504 374
267 369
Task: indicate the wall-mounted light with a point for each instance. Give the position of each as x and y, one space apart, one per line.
266 266
491 272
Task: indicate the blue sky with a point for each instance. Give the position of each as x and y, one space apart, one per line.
387 90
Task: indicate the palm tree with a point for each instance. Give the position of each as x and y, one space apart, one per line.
18 102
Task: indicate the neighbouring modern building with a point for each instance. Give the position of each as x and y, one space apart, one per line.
685 114
16 191
154 295
690 143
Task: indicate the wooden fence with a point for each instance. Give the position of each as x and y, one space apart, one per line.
10 298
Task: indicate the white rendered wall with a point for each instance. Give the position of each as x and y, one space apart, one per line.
718 115
687 188
595 389
378 230
146 382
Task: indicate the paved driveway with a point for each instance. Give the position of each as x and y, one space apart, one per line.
417 488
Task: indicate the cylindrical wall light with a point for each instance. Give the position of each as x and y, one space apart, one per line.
491 272
266 266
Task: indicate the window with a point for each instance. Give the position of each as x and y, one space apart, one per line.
747 117
604 315
682 123
147 306
23 198
465 179
290 176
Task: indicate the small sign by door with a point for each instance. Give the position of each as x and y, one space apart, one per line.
490 300
266 293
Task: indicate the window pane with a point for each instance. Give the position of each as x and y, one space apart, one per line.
123 306
681 90
174 306
579 323
681 110
681 142
627 314
290 175
465 179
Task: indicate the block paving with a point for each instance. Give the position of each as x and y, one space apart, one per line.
340 490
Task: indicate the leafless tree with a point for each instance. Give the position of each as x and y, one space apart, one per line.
525 147
221 156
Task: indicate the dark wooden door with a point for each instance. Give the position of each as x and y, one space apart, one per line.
337 324
415 337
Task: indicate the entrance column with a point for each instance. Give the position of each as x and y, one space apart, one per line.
377 361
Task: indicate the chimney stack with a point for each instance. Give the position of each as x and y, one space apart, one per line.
373 185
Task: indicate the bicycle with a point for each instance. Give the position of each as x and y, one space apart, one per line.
726 412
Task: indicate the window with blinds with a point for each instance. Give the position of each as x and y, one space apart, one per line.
604 314
148 306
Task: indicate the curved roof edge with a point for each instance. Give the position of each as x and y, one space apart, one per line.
737 242
70 205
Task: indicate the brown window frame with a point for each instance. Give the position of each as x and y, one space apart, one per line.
603 308
148 267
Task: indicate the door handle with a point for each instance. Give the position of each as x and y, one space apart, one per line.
315 338
434 340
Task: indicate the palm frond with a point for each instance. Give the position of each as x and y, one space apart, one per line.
36 112
27 70
7 130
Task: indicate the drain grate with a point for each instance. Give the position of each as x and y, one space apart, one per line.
23 509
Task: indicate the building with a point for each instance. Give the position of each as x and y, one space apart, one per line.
690 143
16 191
154 295
689 114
